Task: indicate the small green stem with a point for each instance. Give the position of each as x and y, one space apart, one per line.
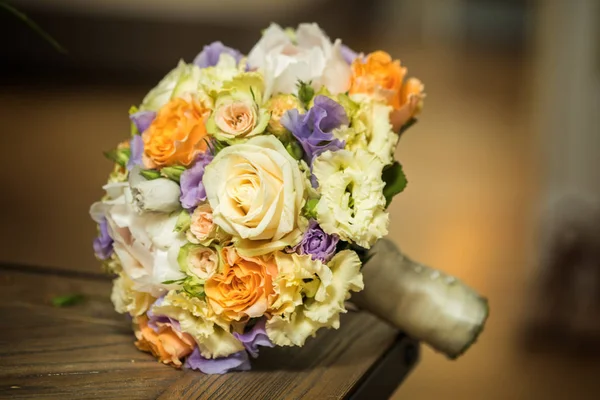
33 26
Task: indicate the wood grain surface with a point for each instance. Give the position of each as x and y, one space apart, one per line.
86 351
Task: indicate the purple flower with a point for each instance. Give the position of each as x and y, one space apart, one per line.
136 147
235 362
313 129
348 54
103 244
209 56
257 336
318 244
142 120
192 188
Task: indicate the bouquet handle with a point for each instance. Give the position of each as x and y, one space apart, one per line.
425 303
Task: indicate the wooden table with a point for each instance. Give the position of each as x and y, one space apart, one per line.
86 351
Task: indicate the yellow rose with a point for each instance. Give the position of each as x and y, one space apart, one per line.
256 191
177 134
245 287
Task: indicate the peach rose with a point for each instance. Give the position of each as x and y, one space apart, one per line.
381 77
201 225
245 287
168 344
176 135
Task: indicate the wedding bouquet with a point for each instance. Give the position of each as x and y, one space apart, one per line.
240 211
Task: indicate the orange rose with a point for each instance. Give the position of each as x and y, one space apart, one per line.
168 345
245 287
381 77
176 135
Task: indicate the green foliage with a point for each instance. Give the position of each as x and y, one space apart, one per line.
35 27
183 221
118 156
67 300
305 92
395 181
150 174
310 208
173 173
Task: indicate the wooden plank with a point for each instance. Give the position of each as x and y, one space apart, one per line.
87 351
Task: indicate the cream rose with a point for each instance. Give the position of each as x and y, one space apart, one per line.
256 192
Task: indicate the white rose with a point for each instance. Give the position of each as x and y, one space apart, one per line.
256 191
147 245
160 195
311 57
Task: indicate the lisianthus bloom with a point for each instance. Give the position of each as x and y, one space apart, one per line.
103 244
155 195
370 129
352 204
314 129
245 287
146 244
312 295
127 300
381 77
307 55
256 192
316 243
192 187
196 318
168 344
252 339
177 135
210 55
237 111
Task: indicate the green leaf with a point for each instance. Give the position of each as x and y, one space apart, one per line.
309 208
150 174
35 27
407 125
118 156
395 181
67 300
183 221
294 150
305 92
133 128
173 173
173 281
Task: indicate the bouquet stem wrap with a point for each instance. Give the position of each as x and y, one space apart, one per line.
427 304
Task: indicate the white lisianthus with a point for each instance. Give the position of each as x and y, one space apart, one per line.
308 55
370 130
159 195
323 302
256 191
189 78
147 245
352 204
197 319
128 300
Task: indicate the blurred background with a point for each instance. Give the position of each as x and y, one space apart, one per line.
503 166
